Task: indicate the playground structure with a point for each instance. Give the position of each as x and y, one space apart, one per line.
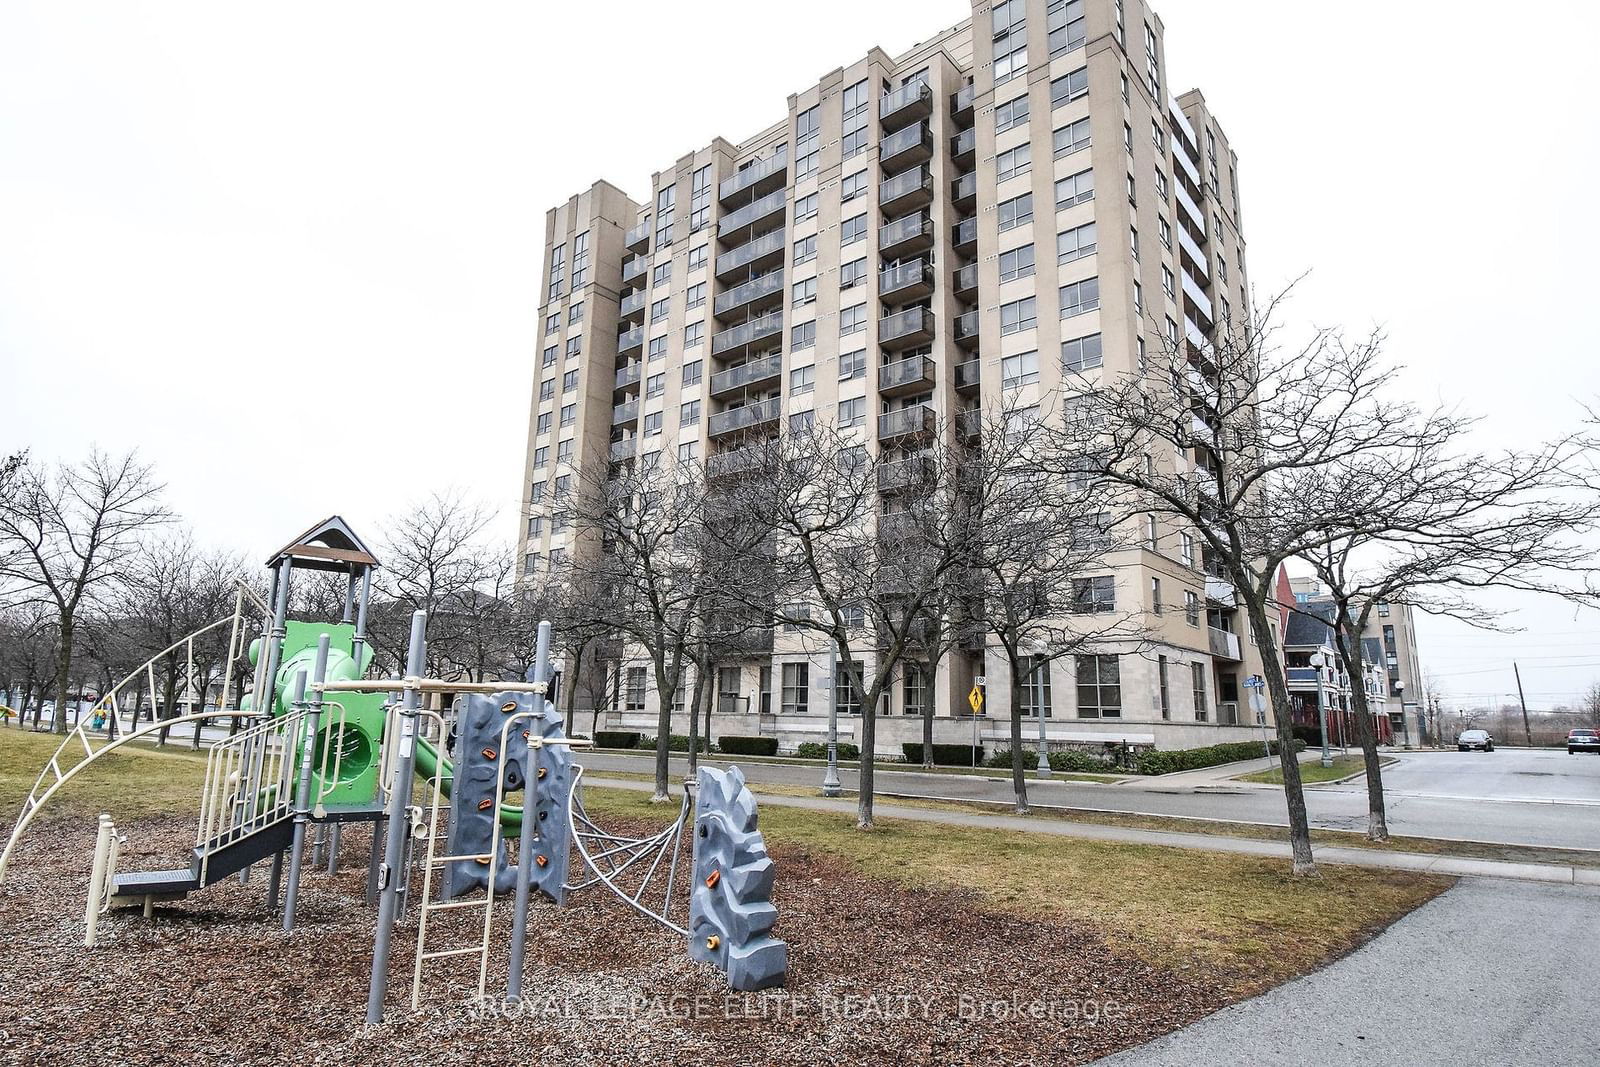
321 746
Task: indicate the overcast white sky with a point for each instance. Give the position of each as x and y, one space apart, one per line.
290 251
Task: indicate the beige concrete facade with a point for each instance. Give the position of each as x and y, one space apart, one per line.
871 254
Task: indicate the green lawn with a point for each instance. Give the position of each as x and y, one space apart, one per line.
1311 771
134 781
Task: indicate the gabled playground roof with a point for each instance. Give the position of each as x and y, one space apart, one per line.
330 545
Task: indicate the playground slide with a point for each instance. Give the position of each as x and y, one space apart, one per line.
429 760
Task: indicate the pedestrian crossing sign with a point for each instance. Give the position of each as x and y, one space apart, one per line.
975 698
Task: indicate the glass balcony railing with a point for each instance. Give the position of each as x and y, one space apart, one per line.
757 288
914 144
967 329
747 333
908 281
908 189
753 214
625 413
628 340
969 374
632 304
737 419
629 375
913 101
914 375
904 235
752 255
1188 206
638 238
1194 252
964 190
967 280
906 329
961 102
735 461
634 267
1196 297
965 233
963 145
756 372
913 421
904 474
755 179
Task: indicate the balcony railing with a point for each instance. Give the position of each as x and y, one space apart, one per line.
906 329
628 340
969 424
1197 297
736 420
964 190
623 449
914 421
967 329
745 334
904 474
965 234
910 234
1224 645
908 281
1193 253
913 101
752 215
753 255
1220 591
749 374
914 144
963 146
629 375
634 267
638 238
756 290
632 305
756 179
967 280
969 374
625 413
906 190
735 461
906 376
961 102
1196 217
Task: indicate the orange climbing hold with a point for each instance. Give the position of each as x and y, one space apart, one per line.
542 861
489 753
712 879
712 942
542 770
486 803
509 706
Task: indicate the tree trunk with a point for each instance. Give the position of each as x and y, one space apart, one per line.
711 702
694 718
1377 816
664 694
1019 777
1283 721
58 721
927 726
572 689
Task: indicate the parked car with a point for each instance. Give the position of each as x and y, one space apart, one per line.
1468 740
1583 741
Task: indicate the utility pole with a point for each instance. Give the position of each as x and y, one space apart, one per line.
1526 729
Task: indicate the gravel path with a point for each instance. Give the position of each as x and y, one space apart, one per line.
1492 973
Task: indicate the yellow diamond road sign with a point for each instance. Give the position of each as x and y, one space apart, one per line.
975 698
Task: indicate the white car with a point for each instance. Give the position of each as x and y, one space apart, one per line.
1468 740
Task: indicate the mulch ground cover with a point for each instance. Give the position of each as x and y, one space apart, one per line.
878 974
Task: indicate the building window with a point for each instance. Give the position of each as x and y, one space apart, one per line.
802 421
852 412
805 250
1018 315
569 414
1017 263
574 346
853 365
1164 229
1069 87
1093 596
796 688
658 310
1075 189
1008 17
652 424
569 381
854 121
852 186
1155 596
1099 687
580 261
1019 370
1191 607
564 454
666 204
853 319
700 199
1168 283
846 694
657 348
692 372
803 335
805 292
550 356
689 413
1166 693
1013 161
1201 711
1187 543
853 273
807 141
1064 20
1073 137
655 385
694 334
544 422
1078 298
697 296
1036 687
697 257
805 207
1011 113
1133 242
662 274
558 261
635 689
575 313
1011 64
1016 211
915 688
802 380
853 230
1075 243
1081 353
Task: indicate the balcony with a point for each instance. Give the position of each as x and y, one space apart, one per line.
624 449
756 179
628 376
961 104
905 329
739 339
638 238
907 282
967 282
757 372
963 146
757 294
965 235
764 251
904 236
906 147
906 424
1220 591
968 375
1180 156
754 218
743 419
1196 298
625 414
900 475
906 377
631 307
1224 645
897 526
1195 335
905 104
735 462
906 190
634 269
1193 255
967 330
964 191
1190 210
628 340
969 424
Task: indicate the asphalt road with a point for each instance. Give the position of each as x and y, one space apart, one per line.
1492 972
1518 797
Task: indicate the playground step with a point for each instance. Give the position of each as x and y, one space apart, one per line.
221 860
356 812
154 884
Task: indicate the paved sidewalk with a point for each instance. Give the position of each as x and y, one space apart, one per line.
1492 973
1354 857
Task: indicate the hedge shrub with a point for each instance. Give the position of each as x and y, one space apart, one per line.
1191 759
737 745
946 755
675 743
1069 760
848 752
616 739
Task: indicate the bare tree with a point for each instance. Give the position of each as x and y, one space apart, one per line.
434 557
1589 705
67 533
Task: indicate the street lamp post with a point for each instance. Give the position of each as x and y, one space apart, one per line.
830 777
1039 709
1317 661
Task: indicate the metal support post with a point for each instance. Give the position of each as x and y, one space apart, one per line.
530 833
302 802
830 776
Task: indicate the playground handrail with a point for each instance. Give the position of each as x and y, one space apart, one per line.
230 810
